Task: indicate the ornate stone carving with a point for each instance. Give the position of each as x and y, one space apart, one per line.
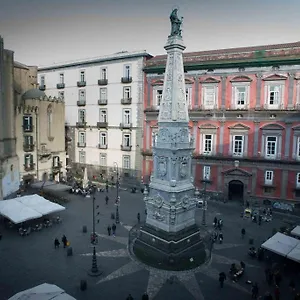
158 216
183 170
172 214
158 201
162 166
164 135
185 202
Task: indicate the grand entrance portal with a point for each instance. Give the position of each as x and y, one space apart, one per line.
236 191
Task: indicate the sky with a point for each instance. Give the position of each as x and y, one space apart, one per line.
44 32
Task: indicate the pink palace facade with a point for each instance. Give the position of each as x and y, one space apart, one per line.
244 114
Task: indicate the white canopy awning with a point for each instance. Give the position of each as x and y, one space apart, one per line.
296 231
17 212
44 291
295 254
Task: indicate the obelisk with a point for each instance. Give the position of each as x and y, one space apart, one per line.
170 234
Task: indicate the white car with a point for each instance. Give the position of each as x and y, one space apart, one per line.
200 203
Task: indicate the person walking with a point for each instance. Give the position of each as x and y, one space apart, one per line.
114 227
106 199
108 230
56 243
145 296
139 218
215 222
222 278
255 291
243 232
64 241
220 237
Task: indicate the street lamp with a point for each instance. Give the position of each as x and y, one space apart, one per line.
94 270
204 207
118 198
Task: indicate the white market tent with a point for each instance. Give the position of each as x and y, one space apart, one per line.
296 231
27 208
283 245
43 291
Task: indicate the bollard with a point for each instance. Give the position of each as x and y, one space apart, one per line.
112 216
83 285
69 251
84 229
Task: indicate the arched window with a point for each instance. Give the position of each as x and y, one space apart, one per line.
49 122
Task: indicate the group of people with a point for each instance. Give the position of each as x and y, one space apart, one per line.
64 240
144 297
111 229
218 234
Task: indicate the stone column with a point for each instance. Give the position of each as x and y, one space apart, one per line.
196 104
219 179
287 141
223 91
221 140
147 135
255 140
284 183
254 179
290 104
148 92
195 124
258 90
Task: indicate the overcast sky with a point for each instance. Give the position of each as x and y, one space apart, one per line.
43 32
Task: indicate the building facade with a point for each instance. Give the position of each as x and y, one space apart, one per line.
40 128
9 163
244 115
104 110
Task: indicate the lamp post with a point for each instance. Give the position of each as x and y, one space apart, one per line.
118 198
204 208
94 270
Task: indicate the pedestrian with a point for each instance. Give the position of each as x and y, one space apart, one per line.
114 227
64 241
243 266
259 219
146 211
243 232
129 297
215 222
145 296
108 230
139 217
278 279
220 224
292 285
277 293
255 291
220 237
106 199
56 243
222 278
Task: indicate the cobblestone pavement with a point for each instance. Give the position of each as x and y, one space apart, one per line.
28 261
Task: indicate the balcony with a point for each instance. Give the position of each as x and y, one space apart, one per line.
28 147
29 167
80 124
100 146
126 148
102 124
81 145
44 152
125 125
102 82
60 86
126 101
81 83
42 87
81 103
28 128
102 102
126 79
57 166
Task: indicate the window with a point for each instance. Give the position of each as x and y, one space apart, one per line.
126 162
49 121
240 96
81 95
81 137
127 71
103 74
127 92
269 177
81 115
42 80
55 161
126 140
188 96
157 97
207 143
271 146
61 94
103 139
82 157
61 78
103 115
82 76
209 95
206 172
28 160
298 147
103 159
28 140
238 145
103 93
274 94
127 116
298 180
27 123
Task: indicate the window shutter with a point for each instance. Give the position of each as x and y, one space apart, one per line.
24 122
24 159
31 159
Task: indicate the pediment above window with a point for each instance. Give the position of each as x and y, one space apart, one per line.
208 126
209 80
157 82
237 172
188 81
275 77
272 127
296 128
241 79
239 126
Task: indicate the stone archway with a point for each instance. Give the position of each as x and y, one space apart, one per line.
236 191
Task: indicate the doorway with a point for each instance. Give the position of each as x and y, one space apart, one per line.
45 177
236 191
